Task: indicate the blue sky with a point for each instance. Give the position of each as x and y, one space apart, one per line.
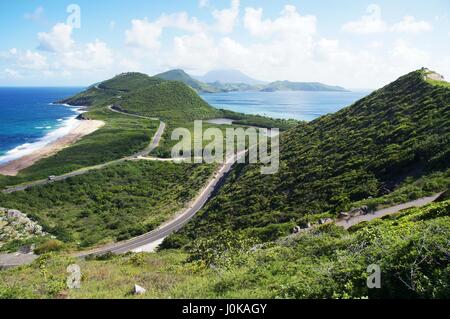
351 43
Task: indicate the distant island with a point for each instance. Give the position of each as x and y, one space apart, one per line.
222 84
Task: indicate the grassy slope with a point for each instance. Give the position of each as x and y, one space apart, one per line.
91 215
115 203
326 263
365 150
170 101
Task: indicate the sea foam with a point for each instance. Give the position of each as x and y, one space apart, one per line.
66 126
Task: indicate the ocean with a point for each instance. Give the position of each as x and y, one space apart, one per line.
28 120
297 105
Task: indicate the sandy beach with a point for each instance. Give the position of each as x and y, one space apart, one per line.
83 128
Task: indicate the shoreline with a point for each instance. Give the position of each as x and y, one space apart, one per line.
79 130
53 142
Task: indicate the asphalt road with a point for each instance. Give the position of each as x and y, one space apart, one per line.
172 226
153 144
347 223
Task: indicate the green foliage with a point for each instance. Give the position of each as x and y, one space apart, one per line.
51 245
397 138
183 77
117 202
411 249
169 101
221 250
260 121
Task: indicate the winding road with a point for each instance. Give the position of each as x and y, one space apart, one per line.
183 217
164 230
173 225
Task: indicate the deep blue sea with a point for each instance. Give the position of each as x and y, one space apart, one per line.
27 117
297 105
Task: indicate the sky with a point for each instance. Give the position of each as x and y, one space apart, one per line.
352 43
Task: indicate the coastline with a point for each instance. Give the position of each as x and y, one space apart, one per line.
26 155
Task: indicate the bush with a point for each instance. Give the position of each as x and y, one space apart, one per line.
49 246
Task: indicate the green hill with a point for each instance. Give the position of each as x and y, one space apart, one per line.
111 89
300 86
394 143
181 76
168 100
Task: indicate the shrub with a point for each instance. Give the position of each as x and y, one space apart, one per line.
49 246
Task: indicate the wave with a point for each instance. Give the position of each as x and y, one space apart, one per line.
66 126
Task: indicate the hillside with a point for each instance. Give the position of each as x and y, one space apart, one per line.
300 86
395 142
168 100
181 76
326 263
112 88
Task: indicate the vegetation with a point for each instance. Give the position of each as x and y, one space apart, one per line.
397 136
183 77
170 101
260 121
390 147
115 203
300 86
411 249
49 246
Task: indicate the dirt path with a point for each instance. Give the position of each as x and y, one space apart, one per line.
387 211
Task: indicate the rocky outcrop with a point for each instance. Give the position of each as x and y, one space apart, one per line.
15 225
138 290
83 117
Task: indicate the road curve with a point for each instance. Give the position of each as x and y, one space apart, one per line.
172 226
153 144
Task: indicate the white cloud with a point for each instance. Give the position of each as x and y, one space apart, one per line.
226 19
95 55
289 25
58 40
285 47
32 60
409 24
143 34
403 54
146 35
193 52
371 23
181 21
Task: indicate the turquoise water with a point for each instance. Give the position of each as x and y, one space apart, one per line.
28 120
297 105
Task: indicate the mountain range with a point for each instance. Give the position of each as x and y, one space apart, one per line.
229 81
